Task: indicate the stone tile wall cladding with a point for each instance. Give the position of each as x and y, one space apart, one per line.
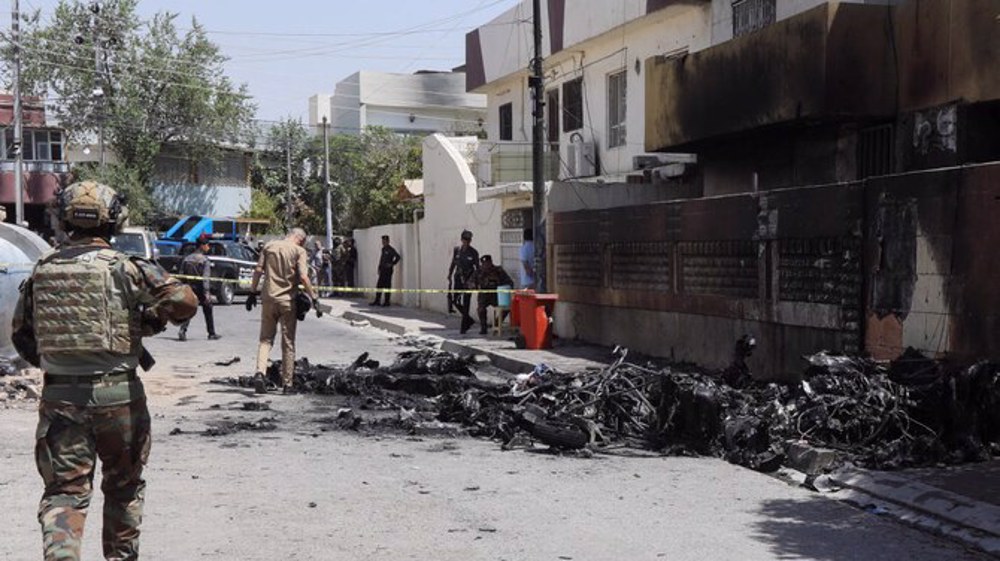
872 266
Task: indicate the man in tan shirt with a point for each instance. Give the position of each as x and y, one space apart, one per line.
284 265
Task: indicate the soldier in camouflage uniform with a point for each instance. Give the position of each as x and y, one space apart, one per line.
81 317
489 277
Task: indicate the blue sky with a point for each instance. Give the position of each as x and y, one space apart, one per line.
285 51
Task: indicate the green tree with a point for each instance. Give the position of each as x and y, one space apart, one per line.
366 171
152 84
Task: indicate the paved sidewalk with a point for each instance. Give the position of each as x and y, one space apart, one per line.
565 356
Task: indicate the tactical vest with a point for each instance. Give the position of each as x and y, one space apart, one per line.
84 304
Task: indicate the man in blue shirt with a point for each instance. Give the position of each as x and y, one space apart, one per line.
528 260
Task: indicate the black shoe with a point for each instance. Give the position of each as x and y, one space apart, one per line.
466 324
214 337
288 390
386 305
374 304
259 383
182 335
482 331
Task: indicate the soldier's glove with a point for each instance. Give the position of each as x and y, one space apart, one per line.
251 302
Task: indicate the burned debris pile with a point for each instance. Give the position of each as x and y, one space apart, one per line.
914 411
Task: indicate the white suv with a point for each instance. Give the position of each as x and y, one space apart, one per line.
136 241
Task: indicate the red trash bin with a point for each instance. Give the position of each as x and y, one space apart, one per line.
515 306
536 313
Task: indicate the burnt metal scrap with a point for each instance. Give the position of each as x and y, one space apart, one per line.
914 411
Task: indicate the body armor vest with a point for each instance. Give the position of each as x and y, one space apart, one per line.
83 304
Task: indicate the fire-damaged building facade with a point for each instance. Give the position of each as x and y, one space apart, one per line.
840 190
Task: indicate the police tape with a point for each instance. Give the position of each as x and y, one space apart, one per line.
319 288
6 267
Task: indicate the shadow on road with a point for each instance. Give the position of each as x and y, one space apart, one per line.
820 529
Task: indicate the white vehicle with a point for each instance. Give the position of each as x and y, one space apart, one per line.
136 241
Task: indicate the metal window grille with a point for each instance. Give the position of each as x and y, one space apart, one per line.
616 108
876 148
751 15
507 121
573 100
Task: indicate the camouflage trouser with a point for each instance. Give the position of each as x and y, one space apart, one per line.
70 439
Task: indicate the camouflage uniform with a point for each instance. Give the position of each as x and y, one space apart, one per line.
489 277
93 403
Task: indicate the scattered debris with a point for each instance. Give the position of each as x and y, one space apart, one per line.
229 362
914 411
224 428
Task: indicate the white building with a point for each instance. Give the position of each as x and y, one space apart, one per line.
420 103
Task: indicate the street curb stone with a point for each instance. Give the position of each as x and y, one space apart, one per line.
961 511
380 323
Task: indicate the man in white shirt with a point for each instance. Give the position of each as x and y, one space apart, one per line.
528 260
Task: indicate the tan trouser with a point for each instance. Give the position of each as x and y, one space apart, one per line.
272 313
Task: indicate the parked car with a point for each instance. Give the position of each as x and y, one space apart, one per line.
136 241
231 260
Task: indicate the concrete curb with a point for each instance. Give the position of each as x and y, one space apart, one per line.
501 361
380 323
974 522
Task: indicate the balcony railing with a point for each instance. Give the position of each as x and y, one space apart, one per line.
37 166
497 163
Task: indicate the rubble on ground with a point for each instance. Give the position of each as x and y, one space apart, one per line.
912 412
19 384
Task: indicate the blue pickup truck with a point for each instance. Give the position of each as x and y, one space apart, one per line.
188 229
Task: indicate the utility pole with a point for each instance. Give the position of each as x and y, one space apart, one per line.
95 22
326 184
288 166
537 149
15 32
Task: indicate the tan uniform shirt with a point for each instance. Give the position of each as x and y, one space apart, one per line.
283 263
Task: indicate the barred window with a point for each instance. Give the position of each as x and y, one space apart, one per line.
616 108
507 121
751 15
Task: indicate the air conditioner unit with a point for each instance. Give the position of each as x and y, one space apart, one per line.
580 160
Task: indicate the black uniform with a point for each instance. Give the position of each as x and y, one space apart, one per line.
464 266
197 265
350 262
386 263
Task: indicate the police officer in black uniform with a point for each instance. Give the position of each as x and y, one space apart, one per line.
198 270
387 261
462 273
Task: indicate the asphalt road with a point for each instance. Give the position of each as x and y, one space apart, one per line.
300 492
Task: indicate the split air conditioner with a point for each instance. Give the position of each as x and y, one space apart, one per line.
581 160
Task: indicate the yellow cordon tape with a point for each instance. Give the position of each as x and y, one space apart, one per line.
29 266
320 288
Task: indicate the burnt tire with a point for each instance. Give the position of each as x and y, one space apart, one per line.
565 437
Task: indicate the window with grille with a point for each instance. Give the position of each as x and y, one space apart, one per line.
573 102
507 121
40 145
616 109
751 15
876 147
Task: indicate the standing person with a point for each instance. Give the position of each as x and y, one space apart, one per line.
284 265
461 274
386 262
198 269
337 255
488 278
527 257
81 318
350 263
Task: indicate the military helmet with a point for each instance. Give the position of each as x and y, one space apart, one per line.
466 235
91 205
